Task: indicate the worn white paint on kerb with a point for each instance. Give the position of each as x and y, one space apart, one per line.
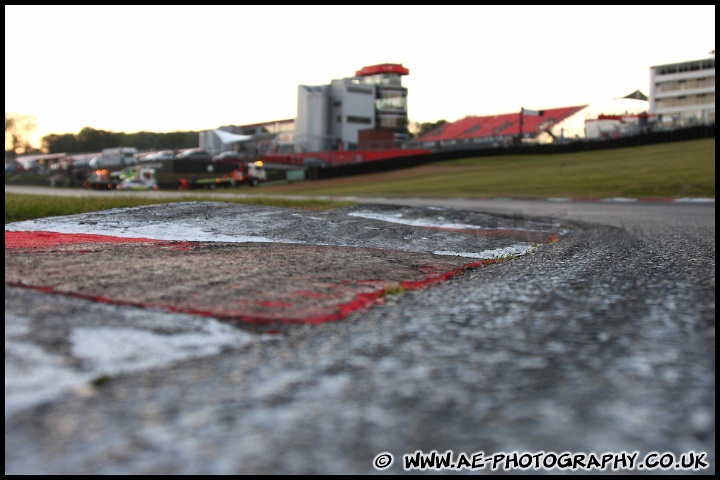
513 250
200 233
33 376
179 232
517 249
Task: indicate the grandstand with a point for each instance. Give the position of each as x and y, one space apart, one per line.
499 130
467 133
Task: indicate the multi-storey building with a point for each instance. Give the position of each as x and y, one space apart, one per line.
683 94
368 110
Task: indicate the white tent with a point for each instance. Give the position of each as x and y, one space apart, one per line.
218 140
227 137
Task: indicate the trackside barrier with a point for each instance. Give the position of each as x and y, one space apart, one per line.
397 159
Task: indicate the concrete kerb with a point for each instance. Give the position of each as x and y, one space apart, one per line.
259 266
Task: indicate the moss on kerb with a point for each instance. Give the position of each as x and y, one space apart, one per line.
393 290
100 381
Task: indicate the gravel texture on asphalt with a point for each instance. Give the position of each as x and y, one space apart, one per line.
600 342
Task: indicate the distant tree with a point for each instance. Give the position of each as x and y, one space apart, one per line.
426 127
91 140
18 132
65 143
143 140
178 140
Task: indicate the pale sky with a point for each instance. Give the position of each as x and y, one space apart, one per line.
191 68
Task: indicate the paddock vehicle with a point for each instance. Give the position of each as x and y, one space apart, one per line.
189 173
114 158
143 178
245 173
99 180
104 179
251 173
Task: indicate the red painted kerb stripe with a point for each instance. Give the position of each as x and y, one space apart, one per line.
41 239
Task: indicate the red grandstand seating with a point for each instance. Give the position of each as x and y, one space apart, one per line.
507 124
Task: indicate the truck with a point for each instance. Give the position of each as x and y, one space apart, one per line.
114 158
99 179
187 174
137 178
250 173
104 168
183 174
105 179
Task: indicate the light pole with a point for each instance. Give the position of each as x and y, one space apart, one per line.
521 126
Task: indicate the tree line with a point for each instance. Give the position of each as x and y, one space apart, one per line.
19 129
91 140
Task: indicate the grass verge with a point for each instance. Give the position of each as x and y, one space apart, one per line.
668 170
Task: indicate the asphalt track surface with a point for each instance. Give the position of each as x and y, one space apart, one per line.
213 338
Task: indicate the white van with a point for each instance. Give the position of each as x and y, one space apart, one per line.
115 157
